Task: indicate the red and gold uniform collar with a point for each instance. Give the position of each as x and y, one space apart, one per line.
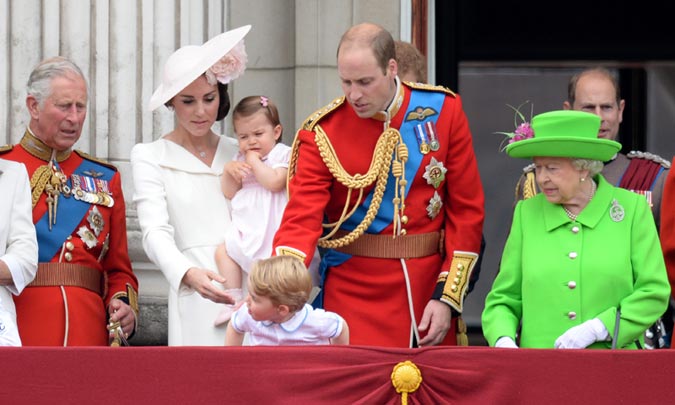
394 106
34 145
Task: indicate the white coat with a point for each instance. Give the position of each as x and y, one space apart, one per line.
18 243
183 217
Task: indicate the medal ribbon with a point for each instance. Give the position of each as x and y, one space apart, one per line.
385 215
68 216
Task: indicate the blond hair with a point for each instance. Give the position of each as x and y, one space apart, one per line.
283 279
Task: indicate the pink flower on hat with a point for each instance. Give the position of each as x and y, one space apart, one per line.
230 66
523 130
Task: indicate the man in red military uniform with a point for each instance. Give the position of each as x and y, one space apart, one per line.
390 168
84 280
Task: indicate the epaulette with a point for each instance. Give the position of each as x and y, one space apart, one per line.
649 156
87 156
431 87
312 120
6 148
526 187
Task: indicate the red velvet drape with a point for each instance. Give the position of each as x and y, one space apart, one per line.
331 375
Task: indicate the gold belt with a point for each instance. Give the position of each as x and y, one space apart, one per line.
66 274
387 247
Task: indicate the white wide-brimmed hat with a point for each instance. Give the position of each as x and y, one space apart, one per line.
189 62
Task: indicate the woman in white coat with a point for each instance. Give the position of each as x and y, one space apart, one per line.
181 210
18 245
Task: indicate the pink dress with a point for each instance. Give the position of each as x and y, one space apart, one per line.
256 213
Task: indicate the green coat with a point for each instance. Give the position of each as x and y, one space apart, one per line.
556 273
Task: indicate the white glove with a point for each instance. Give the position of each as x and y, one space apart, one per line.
506 342
582 336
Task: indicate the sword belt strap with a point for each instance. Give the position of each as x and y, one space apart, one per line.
388 247
67 274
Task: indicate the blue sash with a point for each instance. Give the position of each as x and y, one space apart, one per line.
385 214
68 215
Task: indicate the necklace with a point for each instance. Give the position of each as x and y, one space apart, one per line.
197 151
570 214
574 216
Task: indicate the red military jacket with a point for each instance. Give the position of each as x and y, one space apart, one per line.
452 202
93 235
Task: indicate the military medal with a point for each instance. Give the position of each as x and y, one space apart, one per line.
87 237
616 211
434 207
434 172
433 139
647 194
91 190
96 221
421 136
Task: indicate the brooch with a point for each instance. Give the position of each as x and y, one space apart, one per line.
616 211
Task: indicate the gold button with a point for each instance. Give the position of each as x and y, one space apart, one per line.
456 280
70 245
404 219
68 256
403 232
454 288
460 266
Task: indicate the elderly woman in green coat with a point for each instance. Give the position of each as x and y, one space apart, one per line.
582 265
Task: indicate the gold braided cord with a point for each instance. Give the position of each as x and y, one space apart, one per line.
293 161
529 186
377 172
38 181
344 216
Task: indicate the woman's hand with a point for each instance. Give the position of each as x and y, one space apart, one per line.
582 336
201 280
506 342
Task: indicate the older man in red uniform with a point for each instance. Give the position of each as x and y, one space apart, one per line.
391 170
84 281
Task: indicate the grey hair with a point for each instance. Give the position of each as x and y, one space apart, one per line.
40 81
593 166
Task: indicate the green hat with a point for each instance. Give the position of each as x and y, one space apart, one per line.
565 133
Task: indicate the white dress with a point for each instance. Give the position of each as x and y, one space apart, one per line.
183 217
256 213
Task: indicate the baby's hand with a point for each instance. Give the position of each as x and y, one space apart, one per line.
238 170
253 156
